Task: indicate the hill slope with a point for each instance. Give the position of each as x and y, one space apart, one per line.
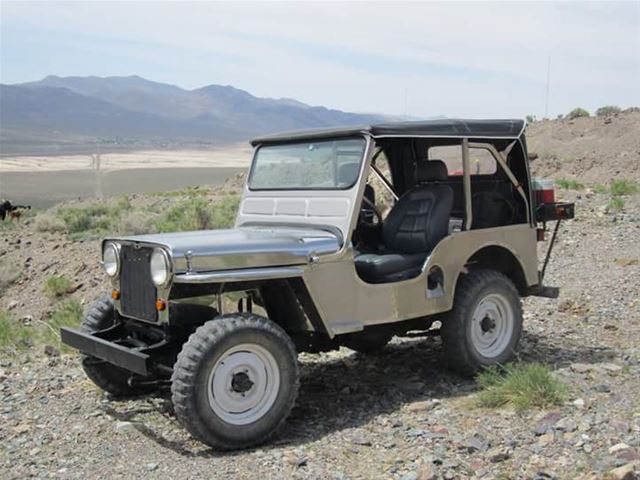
593 149
131 111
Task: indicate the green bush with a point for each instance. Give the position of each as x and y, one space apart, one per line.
531 118
57 286
600 188
66 314
623 187
608 110
199 214
14 335
577 113
615 205
523 386
569 184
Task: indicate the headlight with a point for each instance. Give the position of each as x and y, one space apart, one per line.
160 267
111 259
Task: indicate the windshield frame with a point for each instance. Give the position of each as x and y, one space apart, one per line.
303 141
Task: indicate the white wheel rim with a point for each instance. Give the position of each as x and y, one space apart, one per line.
492 325
243 384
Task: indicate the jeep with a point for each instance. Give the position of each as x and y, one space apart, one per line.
343 237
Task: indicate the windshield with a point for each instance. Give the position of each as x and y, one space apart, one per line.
321 165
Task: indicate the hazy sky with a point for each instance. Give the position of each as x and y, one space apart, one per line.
423 59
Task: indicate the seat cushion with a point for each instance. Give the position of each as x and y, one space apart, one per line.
388 267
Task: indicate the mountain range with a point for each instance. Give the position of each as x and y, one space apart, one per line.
75 113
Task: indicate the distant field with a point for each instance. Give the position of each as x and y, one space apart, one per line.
44 189
47 180
238 156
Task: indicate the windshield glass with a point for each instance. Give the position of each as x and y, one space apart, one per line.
321 165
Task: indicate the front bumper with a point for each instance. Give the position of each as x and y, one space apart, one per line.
100 345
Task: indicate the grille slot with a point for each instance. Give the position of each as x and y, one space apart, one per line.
137 292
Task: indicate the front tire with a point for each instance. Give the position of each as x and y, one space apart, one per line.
235 381
485 325
108 377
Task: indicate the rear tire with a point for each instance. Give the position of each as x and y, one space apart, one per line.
108 377
485 325
235 381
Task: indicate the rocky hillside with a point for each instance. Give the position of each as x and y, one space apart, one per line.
398 415
592 149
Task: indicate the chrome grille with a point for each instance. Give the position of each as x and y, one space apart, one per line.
137 292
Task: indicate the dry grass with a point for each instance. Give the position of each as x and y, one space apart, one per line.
14 335
523 386
9 273
57 286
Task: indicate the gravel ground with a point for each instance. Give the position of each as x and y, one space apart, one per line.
396 415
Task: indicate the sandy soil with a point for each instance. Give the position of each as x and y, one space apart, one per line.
233 156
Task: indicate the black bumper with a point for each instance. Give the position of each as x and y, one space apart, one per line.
92 344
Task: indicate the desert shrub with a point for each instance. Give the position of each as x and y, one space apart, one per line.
577 113
66 314
523 386
199 214
94 220
48 222
186 192
57 286
14 335
616 204
7 225
623 187
9 273
569 184
531 118
608 110
225 211
600 188
136 222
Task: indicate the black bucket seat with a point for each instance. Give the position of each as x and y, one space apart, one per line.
415 225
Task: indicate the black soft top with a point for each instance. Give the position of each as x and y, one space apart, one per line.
459 128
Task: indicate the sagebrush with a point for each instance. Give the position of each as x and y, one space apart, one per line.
577 113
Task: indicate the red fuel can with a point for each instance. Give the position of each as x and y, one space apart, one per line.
544 191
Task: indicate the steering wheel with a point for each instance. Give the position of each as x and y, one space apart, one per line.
373 207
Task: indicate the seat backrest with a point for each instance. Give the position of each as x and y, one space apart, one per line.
491 209
420 218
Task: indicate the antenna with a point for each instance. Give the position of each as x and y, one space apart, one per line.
546 97
405 103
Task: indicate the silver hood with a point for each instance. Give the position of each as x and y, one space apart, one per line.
211 250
